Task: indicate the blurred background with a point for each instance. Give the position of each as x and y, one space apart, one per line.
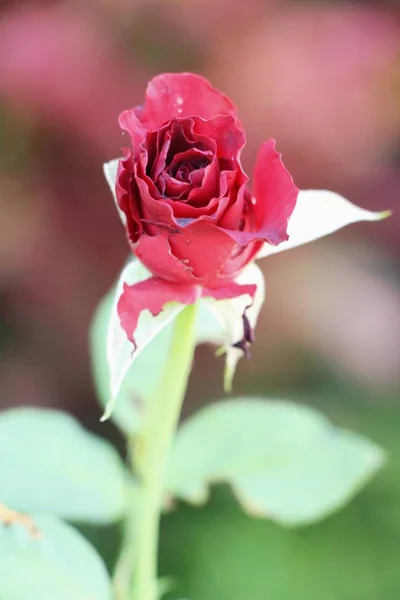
323 79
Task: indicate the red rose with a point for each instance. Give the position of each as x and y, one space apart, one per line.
184 198
189 214
192 220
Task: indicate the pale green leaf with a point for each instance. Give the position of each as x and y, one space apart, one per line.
317 214
283 461
120 351
141 380
50 562
219 553
110 173
49 463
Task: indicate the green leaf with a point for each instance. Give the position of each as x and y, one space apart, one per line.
52 561
120 353
140 382
49 463
219 553
283 461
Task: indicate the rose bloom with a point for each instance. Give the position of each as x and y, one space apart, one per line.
193 222
190 215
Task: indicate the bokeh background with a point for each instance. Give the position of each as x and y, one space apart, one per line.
323 78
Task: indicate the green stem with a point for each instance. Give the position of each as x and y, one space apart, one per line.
123 569
159 430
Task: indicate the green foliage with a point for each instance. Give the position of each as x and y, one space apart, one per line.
141 381
284 461
50 464
218 553
51 562
113 342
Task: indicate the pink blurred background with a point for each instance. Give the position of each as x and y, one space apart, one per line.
322 78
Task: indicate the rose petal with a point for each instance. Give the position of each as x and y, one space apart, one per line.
274 192
154 210
178 95
128 199
185 212
274 198
160 162
175 189
155 252
227 133
196 177
191 154
119 349
201 254
201 180
242 256
206 249
234 215
152 295
319 213
199 197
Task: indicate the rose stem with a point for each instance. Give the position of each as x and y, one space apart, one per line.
161 423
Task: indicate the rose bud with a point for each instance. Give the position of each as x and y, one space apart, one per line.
194 223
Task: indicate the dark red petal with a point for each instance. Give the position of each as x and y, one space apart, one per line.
230 290
240 258
206 249
154 293
128 199
189 155
153 208
179 95
209 201
273 200
233 216
186 211
226 132
202 195
160 162
275 194
175 189
151 294
201 254
196 177
155 253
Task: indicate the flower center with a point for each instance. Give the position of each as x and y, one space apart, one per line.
182 170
